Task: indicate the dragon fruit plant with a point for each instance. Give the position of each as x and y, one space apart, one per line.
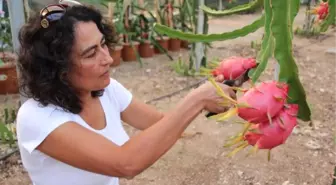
318 19
325 12
277 24
270 109
321 10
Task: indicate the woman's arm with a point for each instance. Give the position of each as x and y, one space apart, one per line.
87 150
140 115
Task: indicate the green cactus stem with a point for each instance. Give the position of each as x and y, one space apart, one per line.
267 45
240 8
191 37
284 12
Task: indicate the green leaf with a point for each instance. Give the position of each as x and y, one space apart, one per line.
236 9
330 19
284 12
5 134
191 37
267 45
2 62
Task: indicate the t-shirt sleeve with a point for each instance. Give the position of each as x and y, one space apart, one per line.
35 123
122 95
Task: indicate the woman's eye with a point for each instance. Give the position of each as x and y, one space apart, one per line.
91 55
103 44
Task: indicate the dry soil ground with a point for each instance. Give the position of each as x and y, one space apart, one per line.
307 158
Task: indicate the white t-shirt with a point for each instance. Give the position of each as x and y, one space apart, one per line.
35 122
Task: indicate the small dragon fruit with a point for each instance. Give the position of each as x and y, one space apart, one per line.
233 67
322 10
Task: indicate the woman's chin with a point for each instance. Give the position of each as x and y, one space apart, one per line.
105 82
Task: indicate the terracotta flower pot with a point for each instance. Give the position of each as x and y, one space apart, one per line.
174 44
164 42
116 55
8 79
184 44
128 53
146 49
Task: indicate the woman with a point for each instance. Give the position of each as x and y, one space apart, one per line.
70 131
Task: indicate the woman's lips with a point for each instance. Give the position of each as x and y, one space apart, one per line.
106 73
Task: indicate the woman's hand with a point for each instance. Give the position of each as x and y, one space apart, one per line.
208 95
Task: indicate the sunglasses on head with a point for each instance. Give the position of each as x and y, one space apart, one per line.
54 12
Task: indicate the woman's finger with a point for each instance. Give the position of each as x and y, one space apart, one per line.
232 94
219 78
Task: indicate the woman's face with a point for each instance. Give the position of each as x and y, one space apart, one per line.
91 57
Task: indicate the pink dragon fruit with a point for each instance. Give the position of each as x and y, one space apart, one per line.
267 136
262 102
322 10
233 67
258 104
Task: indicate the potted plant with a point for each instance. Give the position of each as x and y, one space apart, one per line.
130 47
163 41
161 18
150 41
8 74
123 24
184 21
146 49
126 49
174 43
166 16
139 30
130 50
115 52
115 49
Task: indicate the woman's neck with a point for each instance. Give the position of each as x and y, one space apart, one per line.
86 98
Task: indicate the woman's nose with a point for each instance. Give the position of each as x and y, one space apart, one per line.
106 57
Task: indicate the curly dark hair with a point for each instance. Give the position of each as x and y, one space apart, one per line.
44 57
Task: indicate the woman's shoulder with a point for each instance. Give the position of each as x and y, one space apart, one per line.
33 108
32 114
35 121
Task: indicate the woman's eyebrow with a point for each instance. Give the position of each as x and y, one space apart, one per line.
92 47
